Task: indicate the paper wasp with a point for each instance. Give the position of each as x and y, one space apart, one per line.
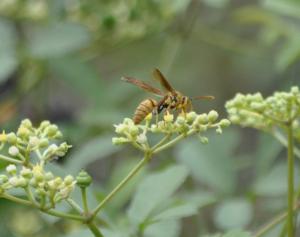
172 99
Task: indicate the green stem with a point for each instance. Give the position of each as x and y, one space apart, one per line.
274 222
84 200
64 215
74 205
278 135
93 228
10 160
131 174
290 151
162 141
50 212
172 142
15 199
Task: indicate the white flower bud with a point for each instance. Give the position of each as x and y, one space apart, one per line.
68 180
212 116
119 140
14 181
13 151
224 123
33 142
142 139
25 172
12 138
11 169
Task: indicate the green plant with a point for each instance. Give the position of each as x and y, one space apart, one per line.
278 115
29 151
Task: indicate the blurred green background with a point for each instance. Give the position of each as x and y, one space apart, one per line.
62 60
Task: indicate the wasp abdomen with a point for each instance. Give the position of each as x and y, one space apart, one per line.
143 109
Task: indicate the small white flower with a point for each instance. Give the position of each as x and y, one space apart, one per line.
13 151
11 169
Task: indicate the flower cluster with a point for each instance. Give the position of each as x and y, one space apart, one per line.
28 150
29 139
252 110
183 124
48 188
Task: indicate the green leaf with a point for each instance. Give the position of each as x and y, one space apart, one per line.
273 183
163 229
8 64
8 59
285 7
153 190
79 233
176 212
79 76
232 214
121 169
289 54
237 233
267 152
211 164
58 39
97 148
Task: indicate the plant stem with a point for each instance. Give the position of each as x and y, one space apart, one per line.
290 153
93 228
10 160
131 174
274 222
84 200
64 215
172 142
278 135
74 205
50 212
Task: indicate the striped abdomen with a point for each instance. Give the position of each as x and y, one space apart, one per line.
144 108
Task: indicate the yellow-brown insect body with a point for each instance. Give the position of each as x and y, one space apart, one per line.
144 108
175 101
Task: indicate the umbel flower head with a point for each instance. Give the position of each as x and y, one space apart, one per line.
29 140
182 125
28 151
277 110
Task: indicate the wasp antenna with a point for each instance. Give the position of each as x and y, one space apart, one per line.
203 97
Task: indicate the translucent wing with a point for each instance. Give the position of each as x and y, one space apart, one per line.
142 85
162 80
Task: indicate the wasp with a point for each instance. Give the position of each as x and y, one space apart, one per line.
171 98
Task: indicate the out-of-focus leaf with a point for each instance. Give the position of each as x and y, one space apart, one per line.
163 229
217 3
97 148
8 64
267 152
80 76
237 233
155 189
199 198
233 214
273 183
212 163
285 7
79 233
289 54
58 39
119 172
112 233
232 233
176 212
8 59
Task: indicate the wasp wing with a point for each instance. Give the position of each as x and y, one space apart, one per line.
162 80
142 85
